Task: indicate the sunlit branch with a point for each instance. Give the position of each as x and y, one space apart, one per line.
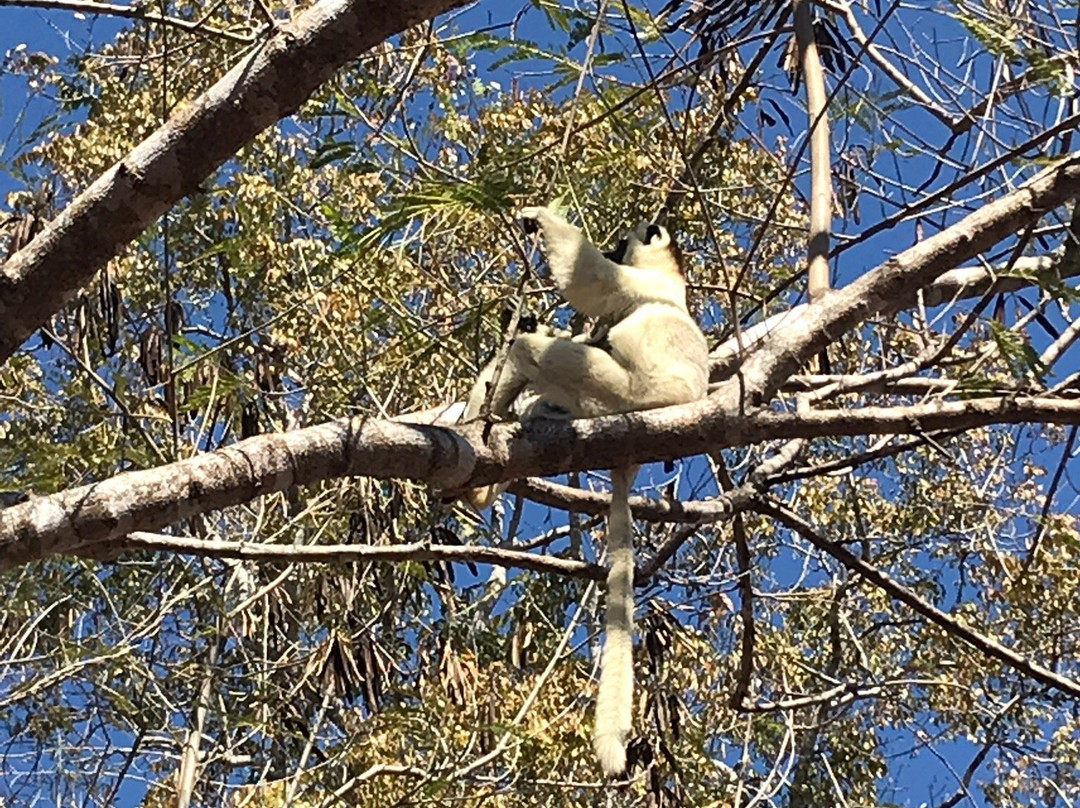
813 75
895 283
270 83
342 553
837 696
91 516
899 384
576 500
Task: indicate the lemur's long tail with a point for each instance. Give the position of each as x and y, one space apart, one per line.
615 697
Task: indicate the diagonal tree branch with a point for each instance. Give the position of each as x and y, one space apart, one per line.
272 82
897 76
952 282
895 283
962 283
950 624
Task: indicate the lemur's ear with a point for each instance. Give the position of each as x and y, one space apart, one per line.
653 231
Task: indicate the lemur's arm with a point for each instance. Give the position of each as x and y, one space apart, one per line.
588 280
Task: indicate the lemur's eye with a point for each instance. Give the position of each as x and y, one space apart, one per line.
651 232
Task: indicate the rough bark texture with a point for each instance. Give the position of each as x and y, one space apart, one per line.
85 519
270 83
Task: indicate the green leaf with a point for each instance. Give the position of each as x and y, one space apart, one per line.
332 150
1019 356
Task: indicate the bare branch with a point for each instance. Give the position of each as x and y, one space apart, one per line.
575 500
949 191
340 553
927 610
138 11
269 84
895 283
961 283
820 161
836 696
888 68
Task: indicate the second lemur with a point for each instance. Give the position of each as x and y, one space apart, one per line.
646 352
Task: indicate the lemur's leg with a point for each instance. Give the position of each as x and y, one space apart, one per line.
583 379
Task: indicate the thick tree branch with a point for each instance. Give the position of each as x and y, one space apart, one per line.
895 283
950 624
962 283
271 83
76 520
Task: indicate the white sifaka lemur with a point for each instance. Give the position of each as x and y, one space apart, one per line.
646 351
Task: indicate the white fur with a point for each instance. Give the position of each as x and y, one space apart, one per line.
615 694
654 356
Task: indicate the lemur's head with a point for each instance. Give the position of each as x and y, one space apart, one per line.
649 246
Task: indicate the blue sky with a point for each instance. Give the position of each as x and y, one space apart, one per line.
55 32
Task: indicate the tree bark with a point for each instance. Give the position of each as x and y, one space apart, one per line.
270 83
86 518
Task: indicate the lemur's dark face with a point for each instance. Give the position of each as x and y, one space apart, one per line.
527 322
619 253
649 246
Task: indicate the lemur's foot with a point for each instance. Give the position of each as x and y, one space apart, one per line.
541 410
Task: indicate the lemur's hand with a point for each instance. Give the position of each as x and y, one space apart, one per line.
530 219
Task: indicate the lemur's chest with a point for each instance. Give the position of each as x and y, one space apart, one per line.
649 335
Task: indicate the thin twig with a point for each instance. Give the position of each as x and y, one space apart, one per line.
133 12
338 553
1048 500
947 622
887 67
